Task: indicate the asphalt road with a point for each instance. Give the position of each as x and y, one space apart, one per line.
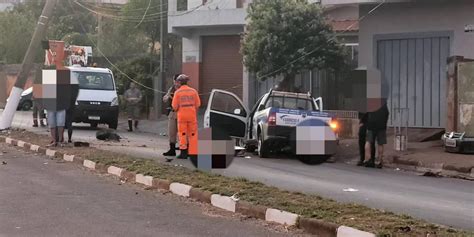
41 197
439 200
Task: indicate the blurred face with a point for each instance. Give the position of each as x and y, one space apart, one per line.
176 84
133 86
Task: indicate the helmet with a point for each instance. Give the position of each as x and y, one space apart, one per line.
182 78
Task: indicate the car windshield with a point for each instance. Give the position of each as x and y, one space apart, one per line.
290 103
94 80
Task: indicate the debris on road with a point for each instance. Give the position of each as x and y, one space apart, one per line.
350 190
81 144
431 174
4 162
107 135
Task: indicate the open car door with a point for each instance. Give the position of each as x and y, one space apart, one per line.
225 111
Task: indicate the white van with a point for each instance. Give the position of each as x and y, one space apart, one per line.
97 102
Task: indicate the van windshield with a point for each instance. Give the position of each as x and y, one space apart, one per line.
94 80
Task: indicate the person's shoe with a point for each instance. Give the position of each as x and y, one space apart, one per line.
42 124
183 154
379 165
172 150
52 144
370 164
360 163
35 123
136 124
130 126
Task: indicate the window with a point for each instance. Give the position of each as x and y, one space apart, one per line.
289 103
182 5
226 103
240 3
94 80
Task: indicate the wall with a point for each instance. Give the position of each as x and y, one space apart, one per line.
417 17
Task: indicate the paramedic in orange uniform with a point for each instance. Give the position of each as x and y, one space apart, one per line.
186 103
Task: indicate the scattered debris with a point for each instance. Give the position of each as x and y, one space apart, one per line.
81 144
235 198
405 229
168 159
107 135
431 174
143 146
4 162
397 169
350 190
248 157
45 163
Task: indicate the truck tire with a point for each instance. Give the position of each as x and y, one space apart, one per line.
113 125
263 150
313 159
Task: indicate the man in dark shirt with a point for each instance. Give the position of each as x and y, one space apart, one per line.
377 131
362 137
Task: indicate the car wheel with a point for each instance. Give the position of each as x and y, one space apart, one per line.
26 106
313 159
250 148
113 125
263 150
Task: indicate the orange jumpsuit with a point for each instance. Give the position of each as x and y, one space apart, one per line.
186 103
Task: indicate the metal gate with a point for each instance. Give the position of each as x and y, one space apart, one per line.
415 70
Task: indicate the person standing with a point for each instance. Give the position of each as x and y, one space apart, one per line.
186 102
377 132
70 111
38 109
172 119
133 96
362 137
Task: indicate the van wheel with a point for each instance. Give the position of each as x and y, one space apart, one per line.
113 125
26 106
313 159
263 150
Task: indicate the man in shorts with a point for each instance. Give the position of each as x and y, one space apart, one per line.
377 132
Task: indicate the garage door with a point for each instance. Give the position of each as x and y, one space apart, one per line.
415 70
221 65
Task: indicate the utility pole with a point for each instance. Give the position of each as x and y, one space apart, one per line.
161 79
27 65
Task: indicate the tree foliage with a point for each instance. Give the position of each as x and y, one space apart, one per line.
284 37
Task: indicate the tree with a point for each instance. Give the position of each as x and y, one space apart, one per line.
284 37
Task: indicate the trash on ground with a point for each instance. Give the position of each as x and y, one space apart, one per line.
431 174
4 162
350 190
81 144
247 157
107 135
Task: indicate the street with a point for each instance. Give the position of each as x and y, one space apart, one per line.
43 197
439 200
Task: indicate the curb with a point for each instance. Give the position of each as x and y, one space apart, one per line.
436 168
309 225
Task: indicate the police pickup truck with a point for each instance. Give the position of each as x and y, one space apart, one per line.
279 122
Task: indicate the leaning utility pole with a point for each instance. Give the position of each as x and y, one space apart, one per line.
161 79
27 65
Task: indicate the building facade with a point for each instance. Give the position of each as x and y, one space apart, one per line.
211 33
410 42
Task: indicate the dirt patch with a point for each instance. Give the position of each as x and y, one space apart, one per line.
311 206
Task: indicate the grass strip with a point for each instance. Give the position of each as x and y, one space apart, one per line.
383 223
